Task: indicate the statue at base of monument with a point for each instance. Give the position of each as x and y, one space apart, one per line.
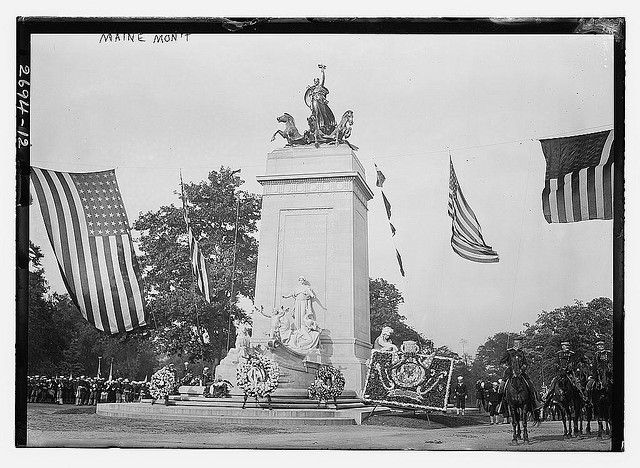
383 342
281 324
307 337
243 339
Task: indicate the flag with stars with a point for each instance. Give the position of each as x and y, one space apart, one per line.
88 229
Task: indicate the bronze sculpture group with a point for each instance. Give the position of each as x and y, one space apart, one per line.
322 123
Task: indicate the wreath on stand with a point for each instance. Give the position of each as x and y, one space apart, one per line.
162 384
257 375
329 384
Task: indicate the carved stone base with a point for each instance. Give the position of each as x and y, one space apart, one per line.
297 370
226 370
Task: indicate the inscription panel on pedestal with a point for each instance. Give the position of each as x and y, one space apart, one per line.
303 251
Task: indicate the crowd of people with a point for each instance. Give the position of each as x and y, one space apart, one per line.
84 390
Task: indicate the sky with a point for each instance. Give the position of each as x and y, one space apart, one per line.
150 109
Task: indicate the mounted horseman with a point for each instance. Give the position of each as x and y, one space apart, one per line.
519 392
515 356
565 390
599 387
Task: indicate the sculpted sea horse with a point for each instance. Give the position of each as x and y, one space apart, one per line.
290 132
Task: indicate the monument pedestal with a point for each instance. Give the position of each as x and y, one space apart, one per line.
314 224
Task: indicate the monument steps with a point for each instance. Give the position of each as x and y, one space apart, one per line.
250 415
285 401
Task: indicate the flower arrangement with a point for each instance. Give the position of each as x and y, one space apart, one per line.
162 383
394 384
329 384
258 375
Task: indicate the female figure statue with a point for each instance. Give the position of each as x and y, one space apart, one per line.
303 306
316 98
383 342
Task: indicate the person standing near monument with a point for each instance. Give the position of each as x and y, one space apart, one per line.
461 394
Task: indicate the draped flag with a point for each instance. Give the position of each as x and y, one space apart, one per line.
466 234
579 178
88 229
380 178
198 262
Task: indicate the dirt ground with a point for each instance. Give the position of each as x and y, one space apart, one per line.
70 426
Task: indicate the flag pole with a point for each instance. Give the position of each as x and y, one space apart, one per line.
99 361
193 284
233 271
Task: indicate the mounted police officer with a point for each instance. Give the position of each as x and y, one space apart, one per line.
566 367
601 365
515 356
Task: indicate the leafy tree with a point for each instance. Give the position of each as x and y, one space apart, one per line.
581 324
47 337
167 269
62 342
384 300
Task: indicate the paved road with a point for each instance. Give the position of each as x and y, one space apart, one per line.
49 425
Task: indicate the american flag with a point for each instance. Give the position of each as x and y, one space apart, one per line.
198 262
88 229
466 233
579 178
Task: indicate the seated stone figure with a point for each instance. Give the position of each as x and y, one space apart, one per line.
383 342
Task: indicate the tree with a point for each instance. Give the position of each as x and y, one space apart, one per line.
581 324
61 341
384 300
166 265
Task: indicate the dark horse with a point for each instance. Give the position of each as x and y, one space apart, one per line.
568 401
599 394
520 404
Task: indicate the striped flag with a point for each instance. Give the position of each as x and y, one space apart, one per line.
88 229
579 178
466 233
198 262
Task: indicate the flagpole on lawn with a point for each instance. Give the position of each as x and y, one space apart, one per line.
233 271
193 284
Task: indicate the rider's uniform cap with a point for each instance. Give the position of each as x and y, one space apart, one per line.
566 343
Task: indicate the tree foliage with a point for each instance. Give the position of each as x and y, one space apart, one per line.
176 313
385 300
61 342
581 324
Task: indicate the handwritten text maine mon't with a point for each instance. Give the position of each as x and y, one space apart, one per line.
137 37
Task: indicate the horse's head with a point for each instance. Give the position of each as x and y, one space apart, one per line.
285 118
348 117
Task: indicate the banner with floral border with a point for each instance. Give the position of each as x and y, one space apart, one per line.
409 380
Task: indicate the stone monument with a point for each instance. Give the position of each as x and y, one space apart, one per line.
312 282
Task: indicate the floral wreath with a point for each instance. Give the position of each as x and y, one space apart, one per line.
258 375
329 383
162 383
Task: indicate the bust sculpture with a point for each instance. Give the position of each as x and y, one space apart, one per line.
383 342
